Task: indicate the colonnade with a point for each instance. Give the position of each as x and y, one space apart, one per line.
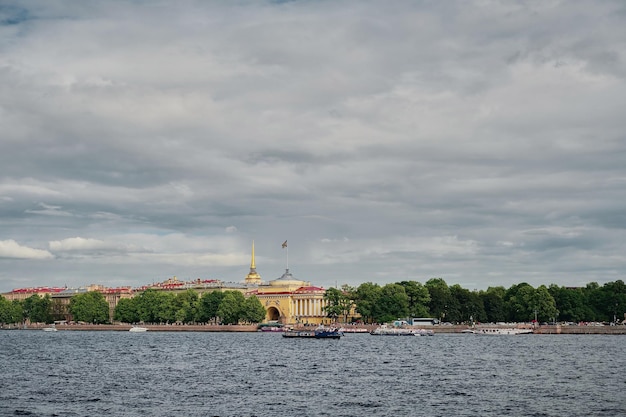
308 307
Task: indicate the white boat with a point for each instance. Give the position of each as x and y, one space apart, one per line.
49 329
503 331
350 329
384 330
137 329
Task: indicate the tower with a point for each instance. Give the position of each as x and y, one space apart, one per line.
253 277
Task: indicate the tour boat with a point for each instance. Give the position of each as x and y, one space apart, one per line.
270 327
503 331
384 330
319 333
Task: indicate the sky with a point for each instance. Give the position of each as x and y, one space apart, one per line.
482 142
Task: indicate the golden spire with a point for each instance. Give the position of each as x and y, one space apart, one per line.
253 277
252 266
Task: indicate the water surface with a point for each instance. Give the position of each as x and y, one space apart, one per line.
262 374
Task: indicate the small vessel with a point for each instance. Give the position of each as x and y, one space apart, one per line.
49 329
319 333
350 329
503 331
270 327
137 329
384 330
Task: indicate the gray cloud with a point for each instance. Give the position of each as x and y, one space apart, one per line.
478 142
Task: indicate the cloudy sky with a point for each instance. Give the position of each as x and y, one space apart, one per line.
481 142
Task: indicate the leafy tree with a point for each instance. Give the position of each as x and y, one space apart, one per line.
544 304
419 297
10 311
154 306
526 302
338 303
90 307
209 304
230 309
570 303
393 303
441 300
468 305
126 311
518 299
253 310
613 300
185 306
493 302
38 309
367 301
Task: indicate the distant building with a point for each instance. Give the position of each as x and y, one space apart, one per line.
286 299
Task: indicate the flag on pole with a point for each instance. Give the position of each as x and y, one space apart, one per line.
284 244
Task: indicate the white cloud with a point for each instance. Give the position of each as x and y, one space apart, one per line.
11 249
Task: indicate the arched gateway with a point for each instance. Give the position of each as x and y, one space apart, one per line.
273 314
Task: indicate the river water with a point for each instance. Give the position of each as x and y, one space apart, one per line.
262 374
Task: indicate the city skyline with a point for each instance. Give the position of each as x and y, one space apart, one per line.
479 142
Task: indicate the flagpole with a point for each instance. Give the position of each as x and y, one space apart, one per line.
284 245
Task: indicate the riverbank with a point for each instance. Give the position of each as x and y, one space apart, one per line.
558 329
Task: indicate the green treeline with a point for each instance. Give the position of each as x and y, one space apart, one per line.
151 306
375 303
454 304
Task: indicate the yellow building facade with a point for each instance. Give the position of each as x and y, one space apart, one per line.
287 300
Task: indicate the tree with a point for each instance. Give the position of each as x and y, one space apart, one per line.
440 298
493 302
126 311
90 307
154 306
467 305
393 303
338 304
366 299
230 309
10 311
525 303
185 306
253 310
419 297
38 309
209 304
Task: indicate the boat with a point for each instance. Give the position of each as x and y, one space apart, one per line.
319 333
468 331
49 329
137 329
270 327
353 330
385 330
503 331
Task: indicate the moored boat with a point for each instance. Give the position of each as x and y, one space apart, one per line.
137 329
319 333
353 330
503 331
384 330
49 329
270 327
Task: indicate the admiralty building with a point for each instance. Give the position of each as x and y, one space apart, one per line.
286 299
